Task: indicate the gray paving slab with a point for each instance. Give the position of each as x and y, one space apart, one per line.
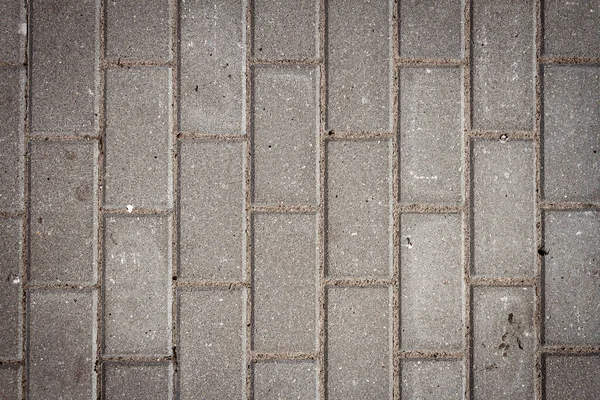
13 31
430 136
12 95
358 345
211 210
211 349
10 382
503 208
503 342
572 377
64 67
571 133
286 29
358 179
358 66
137 381
211 70
62 344
503 95
571 28
431 29
571 274
431 279
11 244
137 288
285 380
286 135
137 169
432 379
285 271
138 30
62 223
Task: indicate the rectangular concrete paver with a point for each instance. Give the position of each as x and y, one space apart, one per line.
62 344
137 315
358 178
286 29
571 133
432 379
572 377
138 125
10 382
62 222
431 29
12 95
503 342
358 66
358 344
285 380
211 353
64 67
571 28
571 276
13 31
430 135
10 287
285 291
503 87
212 54
431 279
286 135
137 381
138 30
212 219
503 208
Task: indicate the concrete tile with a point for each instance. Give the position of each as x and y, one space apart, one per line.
137 381
285 282
211 210
571 28
358 179
431 282
64 65
503 208
62 231
430 137
10 287
12 98
286 135
10 382
138 30
503 95
359 77
571 278
571 133
432 379
503 342
62 345
286 29
431 29
212 66
211 334
359 343
138 137
137 282
572 377
285 380
13 31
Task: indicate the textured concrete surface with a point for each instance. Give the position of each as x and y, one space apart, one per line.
299 199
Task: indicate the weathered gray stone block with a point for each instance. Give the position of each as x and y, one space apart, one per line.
285 380
137 381
10 287
432 379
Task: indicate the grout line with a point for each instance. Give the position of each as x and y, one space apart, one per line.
118 63
358 282
248 289
208 136
61 286
567 206
291 62
135 211
425 62
322 294
12 214
281 208
11 362
137 359
430 208
48 137
222 285
504 136
175 42
4 64
437 355
358 135
396 208
570 350
496 281
467 183
565 60
538 284
283 356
